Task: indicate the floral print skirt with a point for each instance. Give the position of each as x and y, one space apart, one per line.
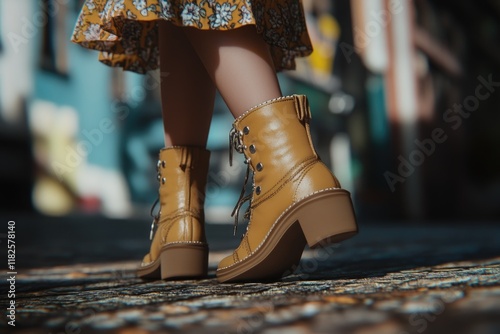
126 31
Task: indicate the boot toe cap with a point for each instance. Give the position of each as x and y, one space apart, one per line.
146 260
226 262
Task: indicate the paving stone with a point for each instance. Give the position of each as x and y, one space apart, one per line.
387 280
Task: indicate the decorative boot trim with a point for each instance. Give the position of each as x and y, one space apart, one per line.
301 104
262 104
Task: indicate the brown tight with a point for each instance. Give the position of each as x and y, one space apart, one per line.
187 91
236 62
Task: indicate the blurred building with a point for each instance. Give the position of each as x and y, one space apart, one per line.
429 95
16 77
69 103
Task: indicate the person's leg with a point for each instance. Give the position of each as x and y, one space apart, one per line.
187 91
240 65
179 247
295 198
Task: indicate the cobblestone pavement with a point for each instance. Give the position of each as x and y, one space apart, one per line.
388 279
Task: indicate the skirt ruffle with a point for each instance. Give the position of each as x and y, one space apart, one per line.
126 31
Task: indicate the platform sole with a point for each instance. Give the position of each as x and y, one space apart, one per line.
178 261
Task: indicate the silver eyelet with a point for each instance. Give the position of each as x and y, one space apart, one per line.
258 190
158 176
163 180
163 163
158 164
259 166
246 130
252 149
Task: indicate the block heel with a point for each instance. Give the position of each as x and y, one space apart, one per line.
327 218
184 260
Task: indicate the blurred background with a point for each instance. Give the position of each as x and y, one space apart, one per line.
404 96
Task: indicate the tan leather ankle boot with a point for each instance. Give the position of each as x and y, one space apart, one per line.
295 198
179 247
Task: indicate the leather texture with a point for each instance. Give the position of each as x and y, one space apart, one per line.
275 139
182 173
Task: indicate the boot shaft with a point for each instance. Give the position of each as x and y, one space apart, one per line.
182 173
275 138
178 247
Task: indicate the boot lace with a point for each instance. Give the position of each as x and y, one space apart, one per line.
236 143
156 216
